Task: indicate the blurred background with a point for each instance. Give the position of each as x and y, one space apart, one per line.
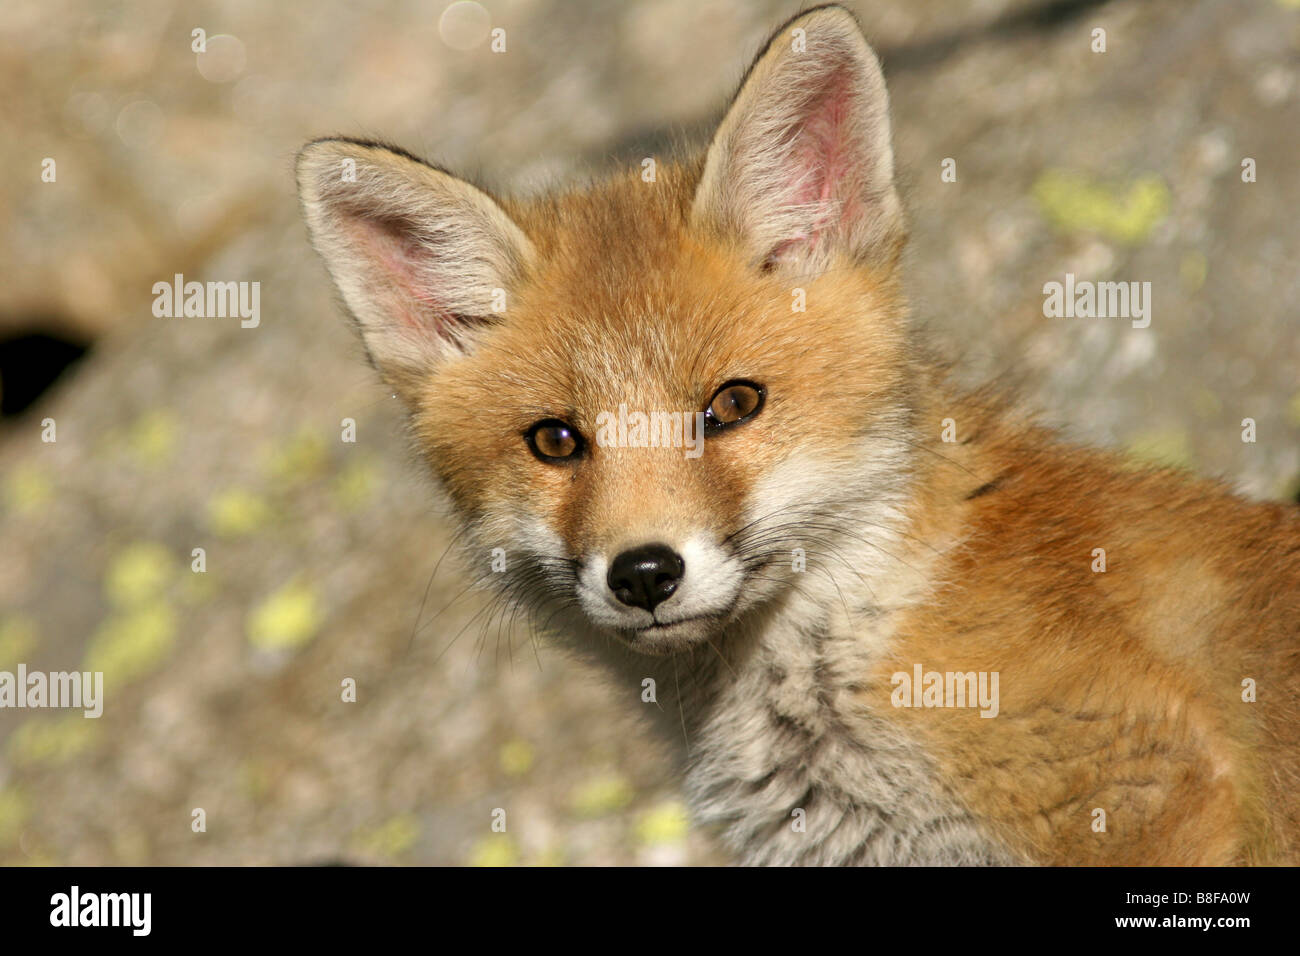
223 688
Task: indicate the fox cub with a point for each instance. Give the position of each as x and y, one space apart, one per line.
873 645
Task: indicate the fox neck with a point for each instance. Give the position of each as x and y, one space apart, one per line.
783 760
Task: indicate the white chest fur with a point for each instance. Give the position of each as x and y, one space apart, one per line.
789 765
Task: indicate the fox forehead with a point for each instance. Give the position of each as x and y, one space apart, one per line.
626 303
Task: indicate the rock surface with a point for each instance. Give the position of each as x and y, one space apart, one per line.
224 687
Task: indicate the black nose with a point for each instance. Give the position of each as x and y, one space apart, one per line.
646 576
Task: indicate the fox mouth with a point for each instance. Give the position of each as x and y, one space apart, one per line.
666 625
698 623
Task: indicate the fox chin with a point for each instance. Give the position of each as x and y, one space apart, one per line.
684 420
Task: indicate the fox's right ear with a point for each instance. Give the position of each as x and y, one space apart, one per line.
418 255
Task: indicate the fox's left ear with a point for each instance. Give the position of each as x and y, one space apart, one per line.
801 170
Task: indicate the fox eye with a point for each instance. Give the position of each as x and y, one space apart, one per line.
733 403
554 441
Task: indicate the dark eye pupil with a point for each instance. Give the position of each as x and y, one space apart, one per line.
554 440
734 403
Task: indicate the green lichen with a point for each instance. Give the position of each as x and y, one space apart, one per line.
237 513
665 823
138 574
287 619
299 458
600 795
1127 213
495 850
355 485
130 645
389 839
517 757
50 741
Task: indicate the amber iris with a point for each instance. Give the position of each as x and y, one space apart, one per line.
733 403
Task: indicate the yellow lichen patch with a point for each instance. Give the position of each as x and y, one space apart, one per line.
665 823
287 619
1074 202
602 794
1293 410
298 458
132 644
355 485
28 488
236 513
17 638
517 757
138 574
14 813
495 850
52 741
390 839
1170 447
151 439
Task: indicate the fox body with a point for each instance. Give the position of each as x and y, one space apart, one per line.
808 590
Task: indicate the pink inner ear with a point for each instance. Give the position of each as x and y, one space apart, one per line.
402 278
825 161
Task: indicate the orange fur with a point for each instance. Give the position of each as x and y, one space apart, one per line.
1122 689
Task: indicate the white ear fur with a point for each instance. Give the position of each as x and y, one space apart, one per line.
416 253
801 169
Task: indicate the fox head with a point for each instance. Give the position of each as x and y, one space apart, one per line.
672 398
